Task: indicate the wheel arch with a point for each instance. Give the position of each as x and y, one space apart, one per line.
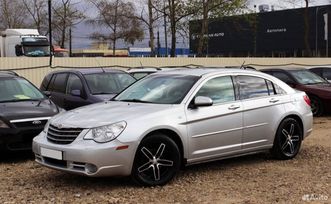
297 118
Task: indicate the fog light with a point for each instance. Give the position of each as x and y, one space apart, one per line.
91 168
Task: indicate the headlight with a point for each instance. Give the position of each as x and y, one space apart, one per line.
106 133
3 124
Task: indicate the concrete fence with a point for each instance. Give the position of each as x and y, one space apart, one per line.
35 69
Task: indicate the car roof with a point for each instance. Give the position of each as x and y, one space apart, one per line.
90 70
283 69
205 71
8 73
143 70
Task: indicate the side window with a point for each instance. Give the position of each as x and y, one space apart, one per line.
219 89
284 77
252 87
58 83
45 82
74 83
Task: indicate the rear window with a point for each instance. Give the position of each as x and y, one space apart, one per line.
45 82
252 87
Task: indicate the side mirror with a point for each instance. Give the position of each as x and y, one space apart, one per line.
76 92
18 50
202 101
47 93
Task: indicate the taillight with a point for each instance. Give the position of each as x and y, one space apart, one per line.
307 100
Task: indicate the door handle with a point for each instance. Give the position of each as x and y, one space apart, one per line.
273 100
233 107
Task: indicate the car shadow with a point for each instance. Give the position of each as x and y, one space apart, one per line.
16 157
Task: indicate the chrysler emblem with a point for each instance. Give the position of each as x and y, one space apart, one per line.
36 122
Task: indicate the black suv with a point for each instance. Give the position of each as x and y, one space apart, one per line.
71 89
24 111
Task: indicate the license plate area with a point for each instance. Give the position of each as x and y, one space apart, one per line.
54 154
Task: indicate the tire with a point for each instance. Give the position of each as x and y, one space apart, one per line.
157 160
316 106
288 139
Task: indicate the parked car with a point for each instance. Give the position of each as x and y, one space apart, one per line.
324 72
175 118
71 89
140 73
317 88
24 111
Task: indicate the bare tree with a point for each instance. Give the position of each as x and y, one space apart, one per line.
37 9
65 15
149 20
118 17
12 14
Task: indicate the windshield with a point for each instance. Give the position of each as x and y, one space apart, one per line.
35 51
108 83
17 89
161 89
307 77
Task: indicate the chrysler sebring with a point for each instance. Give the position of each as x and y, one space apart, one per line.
177 118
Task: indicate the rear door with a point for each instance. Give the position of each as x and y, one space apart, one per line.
262 109
215 130
57 88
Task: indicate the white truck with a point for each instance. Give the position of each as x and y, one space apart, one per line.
23 42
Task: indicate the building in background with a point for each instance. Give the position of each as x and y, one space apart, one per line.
267 34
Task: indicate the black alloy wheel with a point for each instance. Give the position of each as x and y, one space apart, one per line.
288 139
157 160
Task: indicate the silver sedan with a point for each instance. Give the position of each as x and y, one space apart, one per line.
176 118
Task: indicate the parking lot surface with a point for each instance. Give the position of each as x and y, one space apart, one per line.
249 179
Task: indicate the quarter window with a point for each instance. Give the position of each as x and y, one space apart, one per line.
219 89
252 87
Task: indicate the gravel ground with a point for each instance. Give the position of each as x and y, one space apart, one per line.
250 179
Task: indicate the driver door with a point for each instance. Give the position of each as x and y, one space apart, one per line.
215 130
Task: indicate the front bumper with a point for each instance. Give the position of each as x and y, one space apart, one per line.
86 157
16 139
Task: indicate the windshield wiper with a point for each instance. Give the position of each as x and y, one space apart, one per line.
101 93
19 100
135 100
321 82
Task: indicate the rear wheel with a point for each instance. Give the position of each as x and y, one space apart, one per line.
316 106
157 160
288 139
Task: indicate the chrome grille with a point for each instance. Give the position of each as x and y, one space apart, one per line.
62 135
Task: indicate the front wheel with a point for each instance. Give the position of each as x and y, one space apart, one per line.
287 140
157 160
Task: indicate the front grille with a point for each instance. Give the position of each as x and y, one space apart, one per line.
62 135
31 124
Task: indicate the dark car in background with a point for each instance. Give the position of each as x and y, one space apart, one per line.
74 88
24 111
140 73
324 72
317 88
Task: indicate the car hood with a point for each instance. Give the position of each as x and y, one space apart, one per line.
105 97
27 109
106 113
